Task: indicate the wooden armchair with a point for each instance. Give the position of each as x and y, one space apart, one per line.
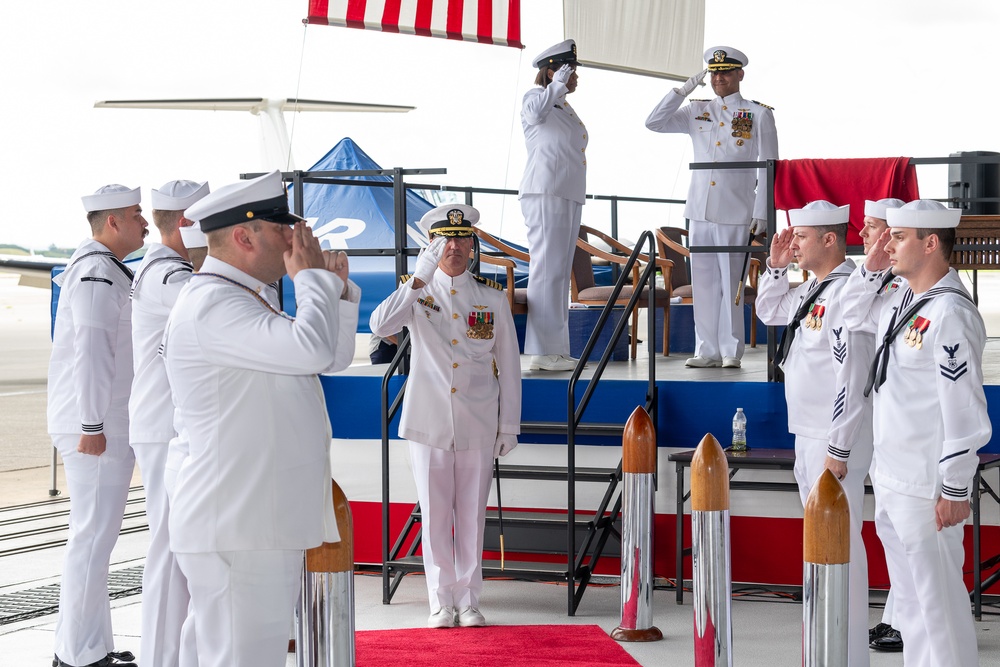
584 288
517 297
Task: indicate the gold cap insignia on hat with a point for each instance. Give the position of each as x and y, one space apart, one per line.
249 214
719 56
455 216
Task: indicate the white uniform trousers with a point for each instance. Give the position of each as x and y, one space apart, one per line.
98 489
452 487
164 589
188 646
553 227
718 321
925 569
810 456
244 603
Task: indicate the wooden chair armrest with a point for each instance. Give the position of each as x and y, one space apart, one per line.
672 244
501 246
509 265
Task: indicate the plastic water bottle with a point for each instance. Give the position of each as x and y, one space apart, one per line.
739 431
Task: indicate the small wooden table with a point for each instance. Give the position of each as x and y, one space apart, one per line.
784 459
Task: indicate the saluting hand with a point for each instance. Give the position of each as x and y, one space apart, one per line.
781 249
692 83
305 252
337 264
563 74
877 258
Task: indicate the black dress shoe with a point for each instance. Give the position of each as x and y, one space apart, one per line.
890 642
114 659
878 631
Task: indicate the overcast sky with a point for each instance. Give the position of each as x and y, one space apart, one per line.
856 78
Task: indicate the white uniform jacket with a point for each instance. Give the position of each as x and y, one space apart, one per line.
940 380
556 140
244 380
809 365
724 129
157 282
90 371
458 328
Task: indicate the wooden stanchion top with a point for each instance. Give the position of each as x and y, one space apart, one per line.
826 536
335 556
639 443
709 477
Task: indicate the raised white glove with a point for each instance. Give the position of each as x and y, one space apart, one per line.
428 259
563 74
505 444
758 226
692 83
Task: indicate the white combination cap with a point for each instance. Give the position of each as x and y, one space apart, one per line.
450 220
923 214
877 209
178 195
193 237
563 52
723 58
111 197
261 198
819 213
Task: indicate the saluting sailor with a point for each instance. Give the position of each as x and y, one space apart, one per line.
552 197
930 419
90 377
722 204
255 491
462 407
158 280
812 349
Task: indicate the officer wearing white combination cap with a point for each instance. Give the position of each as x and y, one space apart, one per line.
852 410
255 491
552 197
812 349
930 420
462 407
90 376
722 204
158 281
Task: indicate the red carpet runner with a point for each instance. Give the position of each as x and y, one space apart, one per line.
492 646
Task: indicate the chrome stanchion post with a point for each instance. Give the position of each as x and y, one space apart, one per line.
827 558
325 624
711 576
638 467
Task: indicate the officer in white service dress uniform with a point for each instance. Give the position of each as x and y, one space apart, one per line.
90 376
462 407
158 280
812 348
552 197
930 420
852 411
255 490
722 204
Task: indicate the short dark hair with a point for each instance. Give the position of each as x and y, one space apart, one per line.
840 231
946 237
98 218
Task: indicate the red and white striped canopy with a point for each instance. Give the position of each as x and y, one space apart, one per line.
485 21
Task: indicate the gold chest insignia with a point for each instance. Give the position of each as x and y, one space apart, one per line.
480 324
742 125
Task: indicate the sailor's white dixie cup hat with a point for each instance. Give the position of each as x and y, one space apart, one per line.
178 195
923 214
877 209
261 198
819 213
193 237
557 55
724 58
111 197
450 220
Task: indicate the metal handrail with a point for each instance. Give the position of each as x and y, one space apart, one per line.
399 362
575 412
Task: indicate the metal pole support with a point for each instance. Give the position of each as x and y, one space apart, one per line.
827 561
325 623
638 468
711 564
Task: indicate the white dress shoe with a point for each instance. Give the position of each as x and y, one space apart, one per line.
552 362
703 362
442 618
470 617
730 362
